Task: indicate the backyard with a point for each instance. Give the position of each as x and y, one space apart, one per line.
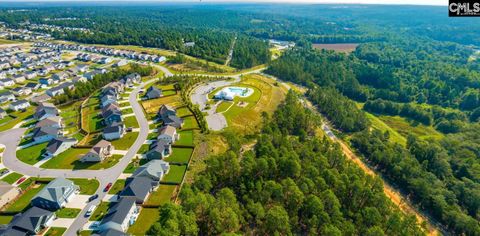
147 217
180 155
175 174
24 200
126 141
162 195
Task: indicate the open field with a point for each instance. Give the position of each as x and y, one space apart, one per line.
161 195
126 141
87 186
12 177
175 174
55 231
147 217
32 154
24 200
337 47
225 105
70 160
186 138
380 125
152 106
266 98
180 155
404 127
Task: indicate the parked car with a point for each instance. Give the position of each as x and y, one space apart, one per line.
4 172
109 185
93 197
95 225
21 180
129 129
90 210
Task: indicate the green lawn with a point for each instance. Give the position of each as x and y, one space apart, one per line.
55 231
168 92
144 149
26 183
5 219
131 121
189 122
33 154
127 111
87 186
162 195
85 233
117 186
12 177
180 155
66 159
24 200
125 142
380 125
67 213
183 111
100 211
186 138
147 217
223 106
132 167
20 116
175 174
95 122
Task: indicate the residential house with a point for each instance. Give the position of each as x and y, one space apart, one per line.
45 110
19 91
159 149
60 76
3 114
30 222
99 152
168 134
8 193
55 91
105 60
45 134
7 82
4 65
19 79
138 188
78 79
153 92
31 74
120 63
82 68
114 131
52 121
55 194
19 105
169 116
33 86
154 170
46 81
120 216
107 99
6 96
59 145
112 116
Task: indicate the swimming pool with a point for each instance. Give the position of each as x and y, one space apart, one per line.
228 93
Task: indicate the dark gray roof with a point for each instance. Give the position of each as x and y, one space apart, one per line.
173 120
30 219
55 143
118 212
112 129
31 85
153 92
19 102
41 131
55 190
138 187
159 146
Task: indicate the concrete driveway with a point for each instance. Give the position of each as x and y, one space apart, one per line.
79 201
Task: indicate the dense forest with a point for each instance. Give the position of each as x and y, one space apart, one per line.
291 183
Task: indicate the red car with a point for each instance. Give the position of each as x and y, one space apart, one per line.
109 185
21 180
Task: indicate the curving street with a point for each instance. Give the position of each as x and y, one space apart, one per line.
11 138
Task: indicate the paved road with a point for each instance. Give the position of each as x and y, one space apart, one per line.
11 138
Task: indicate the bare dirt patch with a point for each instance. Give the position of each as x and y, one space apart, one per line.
337 47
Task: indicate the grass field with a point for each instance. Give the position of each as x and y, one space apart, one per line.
117 186
5 219
404 127
337 47
186 138
190 122
6 41
24 200
12 177
20 116
162 195
222 107
126 141
152 106
87 186
166 86
66 159
266 98
55 231
168 92
131 121
147 217
33 154
183 111
175 174
144 149
380 125
100 211
67 213
180 155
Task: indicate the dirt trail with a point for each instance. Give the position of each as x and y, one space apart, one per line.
395 196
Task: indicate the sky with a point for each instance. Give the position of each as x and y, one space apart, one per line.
409 2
